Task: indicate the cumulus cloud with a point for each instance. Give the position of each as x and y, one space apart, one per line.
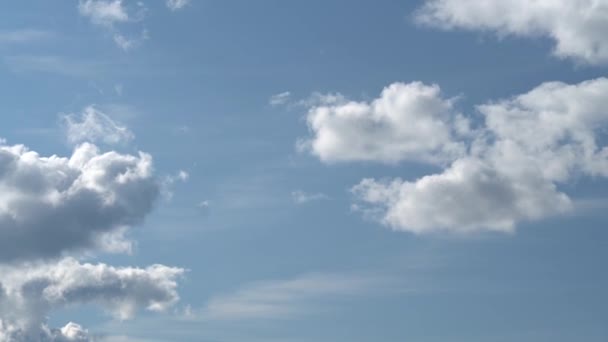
524 150
30 292
407 122
471 195
175 5
578 27
93 125
52 205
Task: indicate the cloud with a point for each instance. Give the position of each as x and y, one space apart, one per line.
578 28
93 125
24 36
53 205
407 122
469 196
280 99
301 197
529 146
30 292
109 13
55 65
104 12
175 5
283 299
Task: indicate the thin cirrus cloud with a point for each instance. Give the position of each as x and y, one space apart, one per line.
27 296
578 28
279 99
93 125
302 197
25 36
508 173
283 299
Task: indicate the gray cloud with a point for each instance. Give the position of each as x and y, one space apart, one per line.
30 292
53 205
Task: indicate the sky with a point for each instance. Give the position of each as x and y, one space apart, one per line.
228 171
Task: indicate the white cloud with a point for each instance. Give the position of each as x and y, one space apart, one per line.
175 5
469 196
53 205
55 65
109 13
578 27
31 292
104 12
515 163
24 36
287 298
280 99
93 125
407 122
301 197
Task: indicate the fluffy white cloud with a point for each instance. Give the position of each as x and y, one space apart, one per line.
30 292
52 205
469 196
578 27
93 125
407 122
528 146
174 5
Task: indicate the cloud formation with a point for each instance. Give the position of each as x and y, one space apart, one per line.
407 122
29 293
53 205
24 36
109 13
279 99
282 299
302 197
175 5
578 27
511 167
93 125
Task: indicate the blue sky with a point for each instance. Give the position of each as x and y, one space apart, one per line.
322 170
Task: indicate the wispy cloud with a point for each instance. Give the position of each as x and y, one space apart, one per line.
175 5
280 99
93 125
297 296
54 65
109 13
25 36
301 197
